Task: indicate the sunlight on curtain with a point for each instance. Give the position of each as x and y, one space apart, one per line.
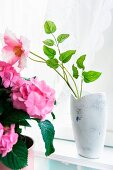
86 22
25 18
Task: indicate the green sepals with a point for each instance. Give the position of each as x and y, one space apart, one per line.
53 63
90 76
53 115
49 42
48 132
80 62
66 56
62 37
49 52
28 79
49 27
75 72
55 102
17 158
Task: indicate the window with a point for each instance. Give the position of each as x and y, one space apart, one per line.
92 35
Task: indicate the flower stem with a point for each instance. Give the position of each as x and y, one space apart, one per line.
37 56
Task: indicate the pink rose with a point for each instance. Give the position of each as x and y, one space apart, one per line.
8 138
8 74
35 97
15 49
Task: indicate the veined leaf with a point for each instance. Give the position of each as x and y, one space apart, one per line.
24 123
48 132
49 42
90 76
49 52
17 158
49 27
75 71
62 37
80 62
53 63
66 56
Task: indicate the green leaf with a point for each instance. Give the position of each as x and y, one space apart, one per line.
17 158
15 116
62 37
90 76
66 56
75 71
49 42
48 132
53 115
1 107
80 62
53 63
24 123
18 130
49 52
49 27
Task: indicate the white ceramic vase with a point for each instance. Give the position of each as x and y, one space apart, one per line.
89 120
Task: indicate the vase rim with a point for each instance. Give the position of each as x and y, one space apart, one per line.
91 94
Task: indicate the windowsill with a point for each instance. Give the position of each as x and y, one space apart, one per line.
66 152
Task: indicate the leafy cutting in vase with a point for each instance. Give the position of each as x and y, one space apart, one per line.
57 60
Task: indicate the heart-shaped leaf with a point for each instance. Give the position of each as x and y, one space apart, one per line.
49 52
62 37
49 27
17 158
48 132
49 42
66 56
53 63
75 72
80 62
90 76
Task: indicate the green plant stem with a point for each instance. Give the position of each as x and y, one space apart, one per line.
73 81
81 87
37 60
64 73
67 83
37 56
44 61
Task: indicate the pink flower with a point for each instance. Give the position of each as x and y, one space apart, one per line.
8 138
34 97
15 49
8 74
20 94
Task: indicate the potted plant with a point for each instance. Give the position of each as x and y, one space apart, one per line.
88 112
21 100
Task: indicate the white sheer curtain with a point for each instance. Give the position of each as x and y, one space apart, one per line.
85 21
